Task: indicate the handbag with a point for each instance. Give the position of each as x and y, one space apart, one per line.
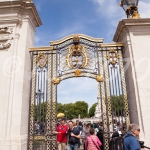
95 144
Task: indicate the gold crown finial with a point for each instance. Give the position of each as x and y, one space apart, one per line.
76 38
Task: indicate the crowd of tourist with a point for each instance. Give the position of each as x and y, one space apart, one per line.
72 135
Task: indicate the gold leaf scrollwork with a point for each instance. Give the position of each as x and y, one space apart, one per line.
77 72
99 78
56 81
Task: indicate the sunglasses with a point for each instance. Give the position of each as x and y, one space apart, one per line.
138 130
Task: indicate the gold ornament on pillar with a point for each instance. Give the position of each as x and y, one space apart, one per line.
131 8
77 72
112 57
41 60
99 78
56 81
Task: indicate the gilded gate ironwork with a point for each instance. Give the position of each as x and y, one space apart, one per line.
75 56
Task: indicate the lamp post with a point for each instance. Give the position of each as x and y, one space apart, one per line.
131 8
66 113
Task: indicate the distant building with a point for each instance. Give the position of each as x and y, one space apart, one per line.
98 108
98 112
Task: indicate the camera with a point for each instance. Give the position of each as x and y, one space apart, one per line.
141 144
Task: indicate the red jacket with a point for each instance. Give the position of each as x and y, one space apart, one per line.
62 137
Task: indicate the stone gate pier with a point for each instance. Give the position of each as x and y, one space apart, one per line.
135 34
18 20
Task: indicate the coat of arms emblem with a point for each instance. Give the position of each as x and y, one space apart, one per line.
77 56
41 60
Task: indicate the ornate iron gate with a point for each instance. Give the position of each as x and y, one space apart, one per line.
75 56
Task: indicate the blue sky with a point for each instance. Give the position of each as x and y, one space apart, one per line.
96 18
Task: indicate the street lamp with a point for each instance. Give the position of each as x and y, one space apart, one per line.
131 8
66 113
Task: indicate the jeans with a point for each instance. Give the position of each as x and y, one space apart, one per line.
72 147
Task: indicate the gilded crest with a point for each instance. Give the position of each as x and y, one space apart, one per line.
56 81
41 60
77 72
112 57
99 78
77 56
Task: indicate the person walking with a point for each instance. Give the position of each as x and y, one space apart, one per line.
92 141
73 137
130 141
96 129
100 136
61 132
86 132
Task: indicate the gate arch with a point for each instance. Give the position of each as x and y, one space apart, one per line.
74 56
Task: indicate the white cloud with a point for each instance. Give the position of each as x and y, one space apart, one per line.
100 2
69 30
52 37
39 4
110 34
36 39
109 9
79 84
144 8
75 89
112 13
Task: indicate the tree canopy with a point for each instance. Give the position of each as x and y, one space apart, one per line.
117 105
72 110
92 110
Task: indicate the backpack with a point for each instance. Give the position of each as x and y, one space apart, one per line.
116 143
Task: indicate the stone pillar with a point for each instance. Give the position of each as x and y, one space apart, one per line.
135 33
18 20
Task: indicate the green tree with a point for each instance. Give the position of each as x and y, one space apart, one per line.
92 110
72 110
69 110
81 108
117 105
60 108
40 112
